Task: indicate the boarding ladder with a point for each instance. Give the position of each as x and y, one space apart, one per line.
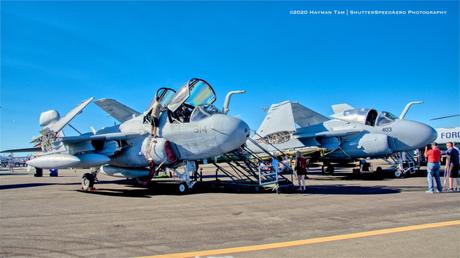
243 168
404 163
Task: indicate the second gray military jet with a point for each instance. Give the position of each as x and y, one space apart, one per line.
349 134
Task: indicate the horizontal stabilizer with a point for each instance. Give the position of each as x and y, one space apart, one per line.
339 108
116 109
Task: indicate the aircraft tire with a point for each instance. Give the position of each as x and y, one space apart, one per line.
356 172
399 174
379 172
87 182
330 170
182 188
38 172
138 181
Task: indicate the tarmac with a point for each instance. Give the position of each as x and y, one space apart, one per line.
338 216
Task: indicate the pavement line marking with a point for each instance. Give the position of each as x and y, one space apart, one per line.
252 248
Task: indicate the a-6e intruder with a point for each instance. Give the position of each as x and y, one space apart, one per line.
190 128
349 134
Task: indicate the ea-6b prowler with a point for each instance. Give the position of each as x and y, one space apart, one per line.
190 129
350 134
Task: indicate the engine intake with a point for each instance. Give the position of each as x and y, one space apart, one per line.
159 150
369 144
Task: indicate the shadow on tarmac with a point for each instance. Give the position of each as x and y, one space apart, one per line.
13 174
132 193
171 189
350 190
28 185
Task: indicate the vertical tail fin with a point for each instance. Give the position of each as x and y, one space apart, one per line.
287 116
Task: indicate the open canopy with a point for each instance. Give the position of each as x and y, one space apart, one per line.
195 92
164 96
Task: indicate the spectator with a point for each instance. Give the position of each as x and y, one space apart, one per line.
11 163
433 155
301 170
452 165
286 167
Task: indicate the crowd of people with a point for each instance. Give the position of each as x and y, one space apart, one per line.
451 175
299 166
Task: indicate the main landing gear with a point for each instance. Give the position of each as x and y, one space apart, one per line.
366 167
327 169
88 180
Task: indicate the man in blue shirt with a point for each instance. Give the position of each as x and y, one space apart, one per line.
452 165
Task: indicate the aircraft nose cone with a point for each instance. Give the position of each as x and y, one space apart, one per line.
413 135
232 132
424 134
430 135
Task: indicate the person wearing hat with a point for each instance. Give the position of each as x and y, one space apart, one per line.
301 170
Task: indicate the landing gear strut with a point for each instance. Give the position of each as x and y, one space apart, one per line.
187 183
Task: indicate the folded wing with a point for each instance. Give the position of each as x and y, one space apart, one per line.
116 109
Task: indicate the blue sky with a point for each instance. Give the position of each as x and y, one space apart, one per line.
56 54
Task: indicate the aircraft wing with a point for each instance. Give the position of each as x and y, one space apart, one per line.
96 137
34 149
56 127
69 140
117 110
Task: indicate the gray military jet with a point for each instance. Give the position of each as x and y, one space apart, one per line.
349 134
190 128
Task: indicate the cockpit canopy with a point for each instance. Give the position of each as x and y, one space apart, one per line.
385 117
204 111
192 102
365 116
368 116
164 96
195 92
